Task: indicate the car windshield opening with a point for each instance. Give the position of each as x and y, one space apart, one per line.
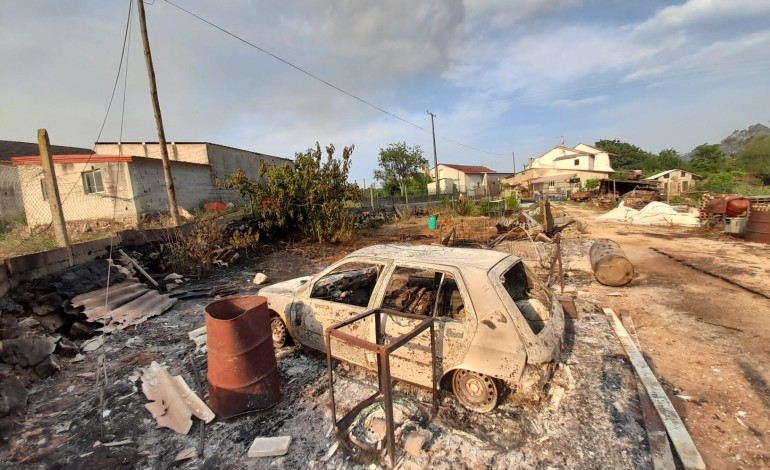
530 295
350 283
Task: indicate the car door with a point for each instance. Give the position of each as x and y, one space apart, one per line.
427 292
336 294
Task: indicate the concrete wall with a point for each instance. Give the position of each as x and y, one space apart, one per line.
190 153
11 202
194 185
116 201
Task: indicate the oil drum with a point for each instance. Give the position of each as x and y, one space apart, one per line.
758 225
242 368
610 265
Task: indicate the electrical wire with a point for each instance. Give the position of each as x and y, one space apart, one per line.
112 96
327 83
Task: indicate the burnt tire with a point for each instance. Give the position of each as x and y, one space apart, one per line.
475 391
279 333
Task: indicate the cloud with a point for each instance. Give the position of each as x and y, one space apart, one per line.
567 103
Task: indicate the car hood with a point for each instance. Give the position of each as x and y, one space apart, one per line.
286 287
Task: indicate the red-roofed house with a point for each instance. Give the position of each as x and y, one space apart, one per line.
473 180
125 187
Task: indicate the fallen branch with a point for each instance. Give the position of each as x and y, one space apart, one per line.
683 443
719 324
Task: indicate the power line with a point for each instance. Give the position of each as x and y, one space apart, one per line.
331 85
112 96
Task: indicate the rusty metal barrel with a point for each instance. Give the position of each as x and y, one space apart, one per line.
610 265
243 372
758 225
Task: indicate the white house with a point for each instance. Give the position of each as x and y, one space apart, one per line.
473 180
562 169
674 182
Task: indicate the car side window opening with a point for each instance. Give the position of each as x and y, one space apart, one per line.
350 283
424 292
530 295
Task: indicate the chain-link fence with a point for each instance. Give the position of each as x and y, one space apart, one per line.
97 200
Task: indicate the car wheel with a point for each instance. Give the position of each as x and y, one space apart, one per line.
475 391
279 332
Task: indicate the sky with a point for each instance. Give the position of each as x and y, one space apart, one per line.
506 79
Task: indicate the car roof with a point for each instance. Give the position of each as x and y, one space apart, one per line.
443 255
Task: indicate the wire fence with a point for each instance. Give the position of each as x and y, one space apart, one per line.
95 199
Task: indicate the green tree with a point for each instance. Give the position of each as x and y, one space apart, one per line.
311 197
628 157
754 157
667 159
400 164
708 158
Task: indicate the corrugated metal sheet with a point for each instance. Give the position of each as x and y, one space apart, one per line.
126 304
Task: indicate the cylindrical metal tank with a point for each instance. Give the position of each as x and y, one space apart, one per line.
242 369
758 225
610 265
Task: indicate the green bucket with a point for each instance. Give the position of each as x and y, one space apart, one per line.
432 222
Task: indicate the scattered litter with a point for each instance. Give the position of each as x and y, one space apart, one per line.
92 344
331 452
70 389
269 446
61 427
118 443
78 358
173 277
186 454
172 403
197 332
86 454
614 294
260 278
86 374
415 442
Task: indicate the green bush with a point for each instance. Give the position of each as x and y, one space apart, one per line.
511 202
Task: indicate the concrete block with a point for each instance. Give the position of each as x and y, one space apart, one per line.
269 446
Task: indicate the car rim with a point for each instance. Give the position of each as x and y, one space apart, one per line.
475 391
279 332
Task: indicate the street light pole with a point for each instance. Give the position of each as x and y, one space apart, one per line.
513 155
435 158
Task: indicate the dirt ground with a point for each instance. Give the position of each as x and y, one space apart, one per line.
706 339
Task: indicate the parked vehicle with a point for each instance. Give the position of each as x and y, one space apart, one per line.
495 322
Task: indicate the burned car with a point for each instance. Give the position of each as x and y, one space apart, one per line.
495 322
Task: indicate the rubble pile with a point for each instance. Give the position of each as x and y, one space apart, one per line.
47 300
371 219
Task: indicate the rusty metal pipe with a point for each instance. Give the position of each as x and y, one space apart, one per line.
243 371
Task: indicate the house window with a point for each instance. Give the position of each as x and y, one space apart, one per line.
43 190
577 161
92 182
681 173
666 175
551 184
685 185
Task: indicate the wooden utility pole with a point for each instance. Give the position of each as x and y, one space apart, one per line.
158 118
52 189
435 158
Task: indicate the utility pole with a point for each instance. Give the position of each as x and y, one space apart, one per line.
435 158
52 189
513 155
158 118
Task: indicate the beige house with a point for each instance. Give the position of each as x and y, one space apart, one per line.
126 187
674 182
562 170
473 180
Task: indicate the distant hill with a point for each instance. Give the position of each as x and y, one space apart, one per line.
12 148
733 143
